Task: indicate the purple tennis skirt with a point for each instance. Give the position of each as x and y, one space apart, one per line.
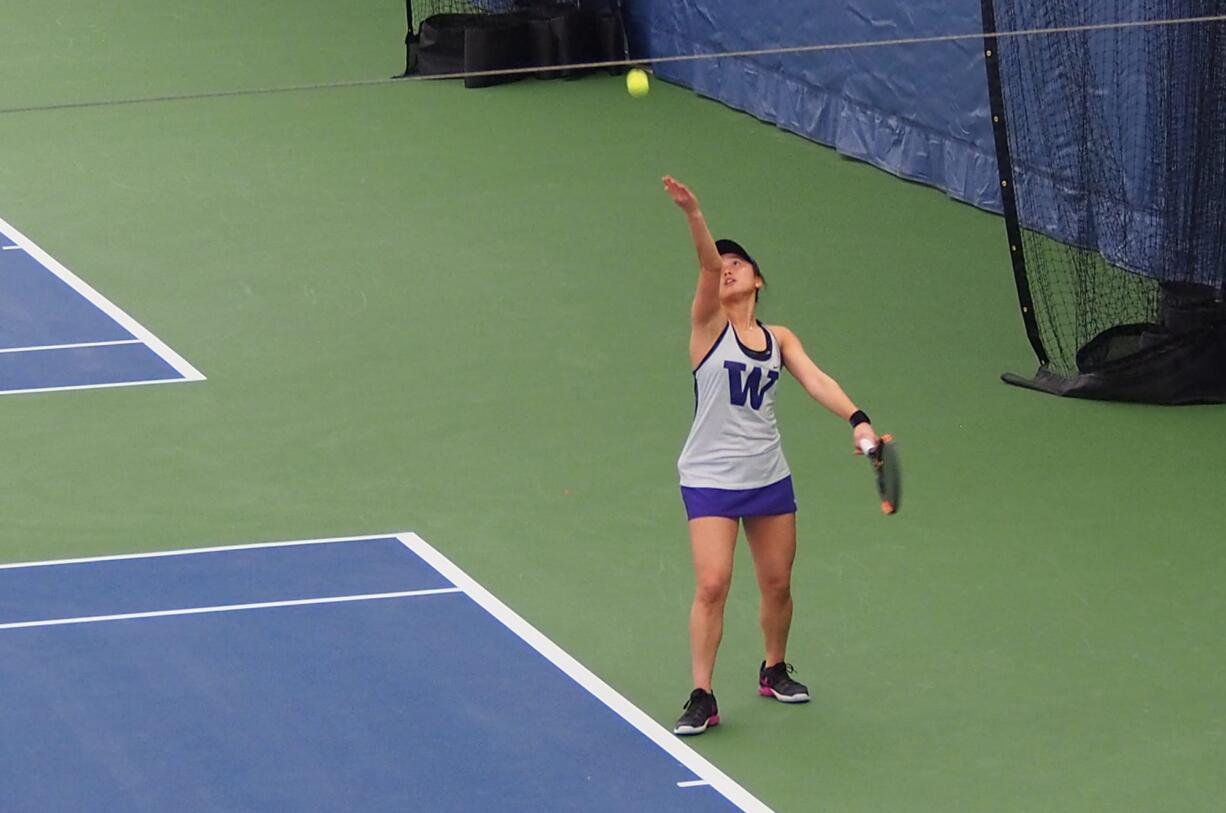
776 498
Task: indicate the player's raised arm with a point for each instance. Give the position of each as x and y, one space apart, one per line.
706 295
820 386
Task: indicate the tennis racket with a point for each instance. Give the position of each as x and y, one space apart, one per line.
888 471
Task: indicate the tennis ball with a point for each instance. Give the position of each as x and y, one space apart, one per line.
637 83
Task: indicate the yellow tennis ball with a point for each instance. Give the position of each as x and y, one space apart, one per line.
637 83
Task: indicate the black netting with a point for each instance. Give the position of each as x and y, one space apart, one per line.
478 36
1116 149
420 10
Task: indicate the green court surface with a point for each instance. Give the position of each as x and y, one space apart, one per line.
464 313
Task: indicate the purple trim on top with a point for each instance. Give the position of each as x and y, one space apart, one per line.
756 355
714 345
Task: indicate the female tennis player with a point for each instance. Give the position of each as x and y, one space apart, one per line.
732 467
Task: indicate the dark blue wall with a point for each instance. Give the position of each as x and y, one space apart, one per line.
919 111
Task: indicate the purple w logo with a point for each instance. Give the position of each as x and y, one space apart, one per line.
751 387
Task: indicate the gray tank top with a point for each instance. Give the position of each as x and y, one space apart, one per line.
734 441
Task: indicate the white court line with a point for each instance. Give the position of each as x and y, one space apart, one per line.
35 349
579 673
111 385
225 608
10 248
193 551
103 304
694 783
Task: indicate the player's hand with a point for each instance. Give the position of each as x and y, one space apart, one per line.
861 433
681 195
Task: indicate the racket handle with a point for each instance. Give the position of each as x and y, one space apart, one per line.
866 446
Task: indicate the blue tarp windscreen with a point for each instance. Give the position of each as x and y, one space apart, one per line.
918 111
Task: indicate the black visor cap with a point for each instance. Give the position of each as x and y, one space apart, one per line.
733 247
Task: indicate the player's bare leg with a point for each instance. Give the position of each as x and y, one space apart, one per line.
772 540
712 542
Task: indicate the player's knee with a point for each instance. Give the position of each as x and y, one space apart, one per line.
776 588
712 591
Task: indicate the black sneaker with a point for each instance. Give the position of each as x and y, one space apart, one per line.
775 682
700 712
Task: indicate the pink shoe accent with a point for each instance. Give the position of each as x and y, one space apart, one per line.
765 691
713 720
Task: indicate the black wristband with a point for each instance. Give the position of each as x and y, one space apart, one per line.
858 417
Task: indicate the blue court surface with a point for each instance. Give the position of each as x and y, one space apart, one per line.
57 333
355 674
